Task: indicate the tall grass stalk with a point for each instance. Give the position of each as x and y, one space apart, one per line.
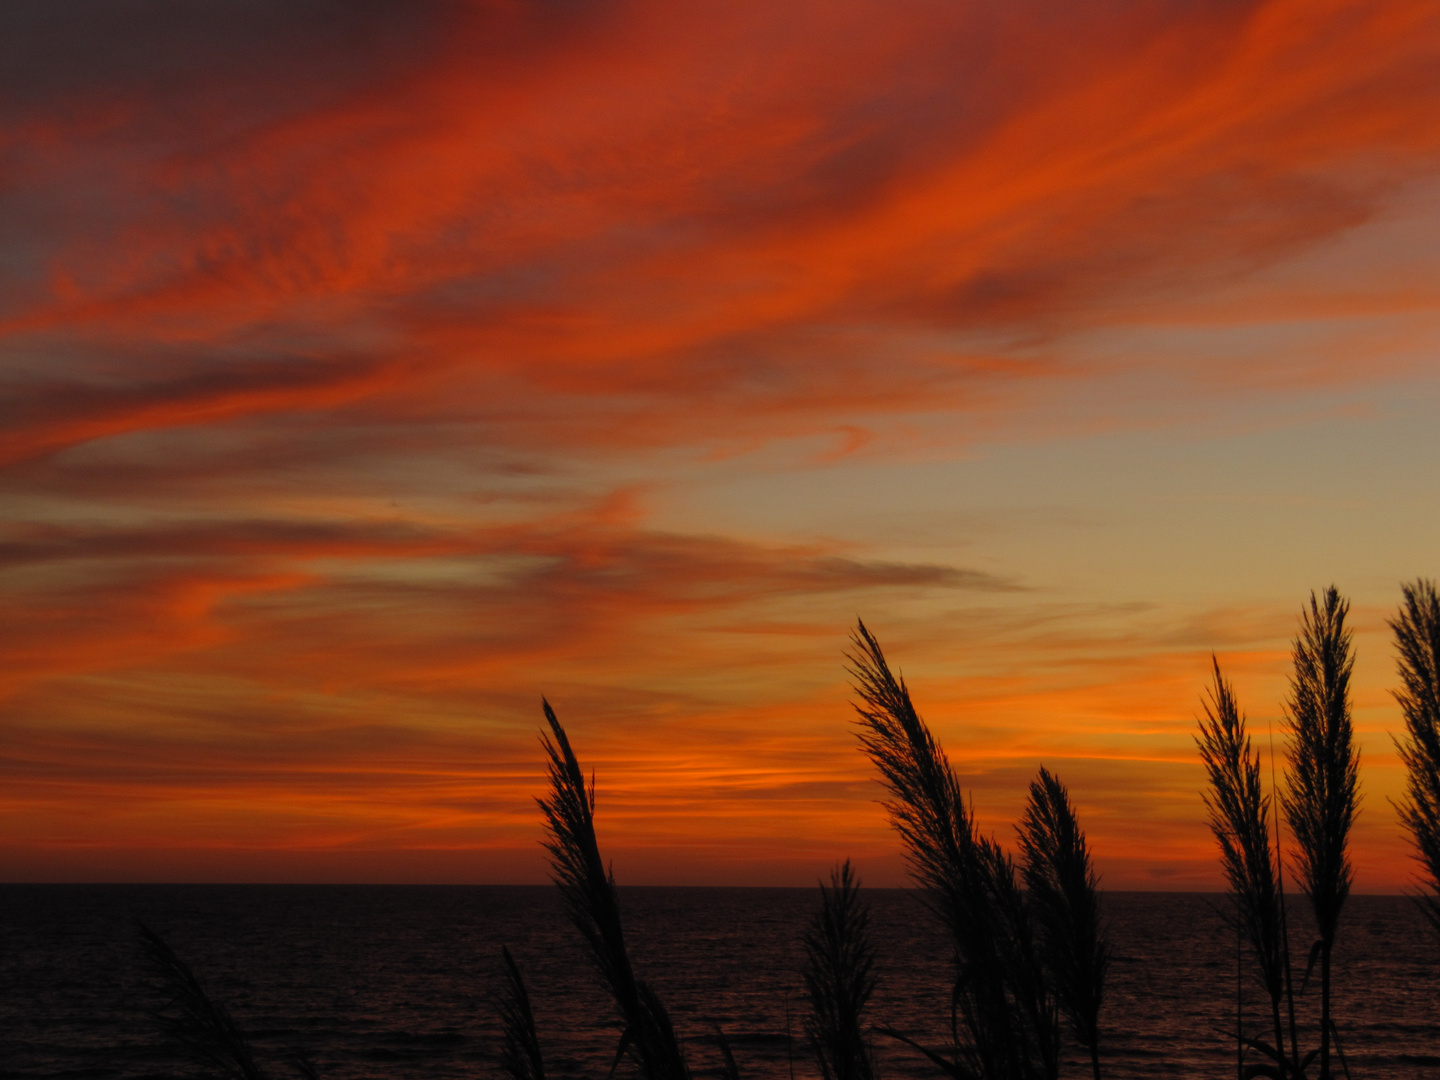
1321 799
200 1027
840 978
1240 819
520 1057
1063 892
1284 910
588 889
1005 1026
1417 640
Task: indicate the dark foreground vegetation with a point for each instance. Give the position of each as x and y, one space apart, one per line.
1025 932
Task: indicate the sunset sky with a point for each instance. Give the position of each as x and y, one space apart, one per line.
370 370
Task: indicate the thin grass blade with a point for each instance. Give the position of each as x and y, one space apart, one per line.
946 1065
729 1069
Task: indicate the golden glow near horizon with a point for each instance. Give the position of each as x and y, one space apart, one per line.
365 382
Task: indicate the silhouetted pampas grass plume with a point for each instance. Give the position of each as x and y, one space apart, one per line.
1240 819
1031 989
520 1051
197 1025
1417 639
1004 1025
1063 894
1322 791
840 978
589 894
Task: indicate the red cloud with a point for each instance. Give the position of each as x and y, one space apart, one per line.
727 206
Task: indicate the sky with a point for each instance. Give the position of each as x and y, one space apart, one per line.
369 370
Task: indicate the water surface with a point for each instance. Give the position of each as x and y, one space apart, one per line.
381 981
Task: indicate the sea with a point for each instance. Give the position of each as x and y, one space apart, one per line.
401 981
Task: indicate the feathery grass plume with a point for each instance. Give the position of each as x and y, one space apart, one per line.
520 1052
198 1026
1009 1027
1063 893
1321 797
1417 638
588 890
840 976
1239 818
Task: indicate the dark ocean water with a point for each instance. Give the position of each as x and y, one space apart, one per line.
399 981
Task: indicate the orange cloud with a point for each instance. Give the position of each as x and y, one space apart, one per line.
368 691
320 347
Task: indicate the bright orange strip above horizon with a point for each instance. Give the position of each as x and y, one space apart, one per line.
369 372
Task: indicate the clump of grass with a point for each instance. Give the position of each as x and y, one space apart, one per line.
1004 1019
840 978
588 889
1240 819
1417 639
1063 891
1321 800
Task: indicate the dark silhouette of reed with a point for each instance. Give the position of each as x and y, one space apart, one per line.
1005 1019
1063 892
588 889
1240 819
1417 640
520 1049
840 978
196 1025
1321 797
